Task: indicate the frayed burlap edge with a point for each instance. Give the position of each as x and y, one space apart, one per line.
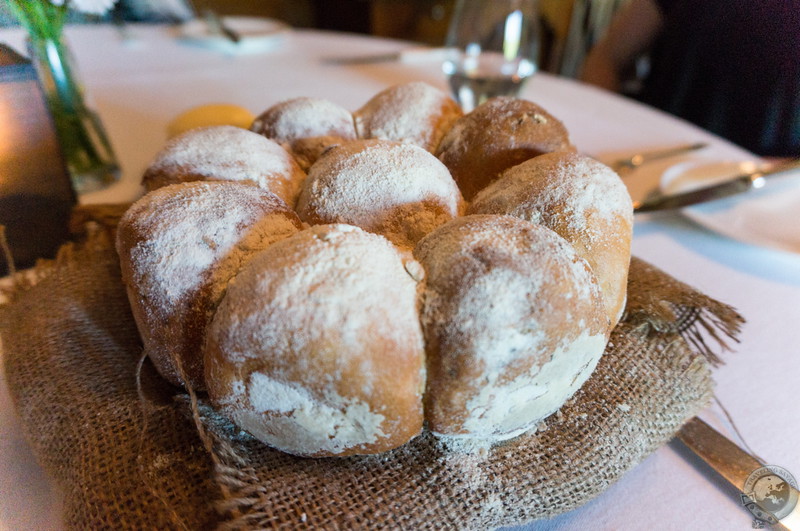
425 484
707 325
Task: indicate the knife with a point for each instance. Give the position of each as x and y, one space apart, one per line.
629 163
741 470
737 185
409 56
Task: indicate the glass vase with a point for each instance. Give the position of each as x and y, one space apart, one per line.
87 152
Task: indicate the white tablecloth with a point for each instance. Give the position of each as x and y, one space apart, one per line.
138 85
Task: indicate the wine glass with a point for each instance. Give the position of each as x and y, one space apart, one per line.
493 48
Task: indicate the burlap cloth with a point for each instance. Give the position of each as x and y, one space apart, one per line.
131 456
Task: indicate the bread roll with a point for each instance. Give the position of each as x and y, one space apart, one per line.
397 190
580 199
415 113
179 246
370 305
306 127
226 153
304 118
513 325
317 350
498 134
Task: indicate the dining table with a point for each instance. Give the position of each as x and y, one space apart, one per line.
140 78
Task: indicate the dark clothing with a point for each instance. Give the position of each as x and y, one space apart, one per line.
733 68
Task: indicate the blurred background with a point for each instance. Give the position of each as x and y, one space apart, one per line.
569 27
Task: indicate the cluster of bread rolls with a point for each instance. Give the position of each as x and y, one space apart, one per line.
337 282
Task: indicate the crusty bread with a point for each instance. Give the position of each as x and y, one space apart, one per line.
337 325
498 134
297 118
580 199
513 324
414 113
179 246
316 348
397 190
226 153
306 127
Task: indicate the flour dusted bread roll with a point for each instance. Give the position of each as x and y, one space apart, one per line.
397 190
496 135
226 153
372 305
179 246
513 325
580 199
316 348
303 118
307 127
415 113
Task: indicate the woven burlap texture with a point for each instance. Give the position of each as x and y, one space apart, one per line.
131 452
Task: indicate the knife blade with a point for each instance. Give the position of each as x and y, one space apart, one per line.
737 467
632 162
408 56
737 185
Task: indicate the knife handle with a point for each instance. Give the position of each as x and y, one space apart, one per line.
733 464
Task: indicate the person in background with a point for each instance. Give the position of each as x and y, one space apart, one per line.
729 66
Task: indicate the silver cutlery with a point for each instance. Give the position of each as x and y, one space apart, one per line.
409 56
217 26
740 469
634 161
737 185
